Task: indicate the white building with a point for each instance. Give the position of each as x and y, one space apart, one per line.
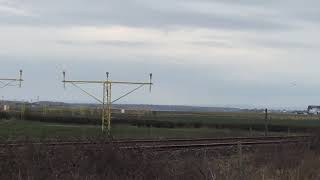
314 109
5 108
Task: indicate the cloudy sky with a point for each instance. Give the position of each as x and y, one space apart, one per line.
202 52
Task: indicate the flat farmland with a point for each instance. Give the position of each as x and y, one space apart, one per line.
166 121
92 115
239 118
32 130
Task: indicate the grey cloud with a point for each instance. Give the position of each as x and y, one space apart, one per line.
135 13
224 82
282 44
259 42
117 43
211 43
295 10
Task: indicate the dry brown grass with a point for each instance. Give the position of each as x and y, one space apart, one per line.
284 162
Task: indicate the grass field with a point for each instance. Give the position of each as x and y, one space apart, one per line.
209 118
150 124
240 118
23 130
174 119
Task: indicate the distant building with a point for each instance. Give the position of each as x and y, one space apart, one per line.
4 108
301 112
314 109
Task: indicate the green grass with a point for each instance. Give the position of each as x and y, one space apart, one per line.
126 131
16 129
186 124
241 118
23 130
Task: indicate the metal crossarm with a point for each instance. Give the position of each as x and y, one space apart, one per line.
106 95
8 81
107 82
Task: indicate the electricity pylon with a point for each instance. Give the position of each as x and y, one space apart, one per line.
106 95
4 82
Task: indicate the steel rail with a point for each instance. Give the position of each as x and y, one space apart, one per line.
207 145
118 141
208 139
170 142
177 147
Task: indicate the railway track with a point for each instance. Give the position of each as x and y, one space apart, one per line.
174 144
226 139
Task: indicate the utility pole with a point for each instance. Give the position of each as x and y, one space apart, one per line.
106 100
266 123
23 109
2 100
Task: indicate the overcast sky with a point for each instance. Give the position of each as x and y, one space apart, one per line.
202 52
